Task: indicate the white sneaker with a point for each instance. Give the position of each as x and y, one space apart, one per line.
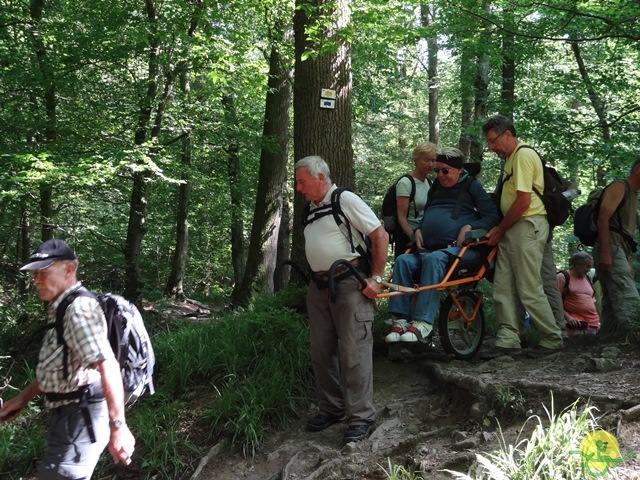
400 326
418 331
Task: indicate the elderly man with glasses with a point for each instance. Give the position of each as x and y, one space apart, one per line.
521 236
456 204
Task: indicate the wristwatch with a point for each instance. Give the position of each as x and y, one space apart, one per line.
117 423
377 278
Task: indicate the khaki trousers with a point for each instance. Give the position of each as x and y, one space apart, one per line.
518 280
342 351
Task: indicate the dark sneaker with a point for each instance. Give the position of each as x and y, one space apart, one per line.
496 352
355 433
540 352
322 421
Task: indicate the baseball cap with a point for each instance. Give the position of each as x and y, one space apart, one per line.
49 252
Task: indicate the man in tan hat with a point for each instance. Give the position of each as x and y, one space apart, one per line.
86 404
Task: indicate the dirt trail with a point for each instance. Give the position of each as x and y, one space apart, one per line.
436 413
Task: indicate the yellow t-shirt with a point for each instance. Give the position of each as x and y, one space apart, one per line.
524 169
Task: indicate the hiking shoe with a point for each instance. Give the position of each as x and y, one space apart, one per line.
496 352
399 327
540 352
355 433
322 421
418 331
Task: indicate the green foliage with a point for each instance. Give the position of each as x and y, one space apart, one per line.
256 360
399 472
251 367
549 452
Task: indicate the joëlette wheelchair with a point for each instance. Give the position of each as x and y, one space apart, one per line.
461 323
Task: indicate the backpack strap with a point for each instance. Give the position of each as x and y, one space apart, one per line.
58 324
343 222
333 208
412 195
567 280
617 229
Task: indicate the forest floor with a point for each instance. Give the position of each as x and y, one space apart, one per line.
436 413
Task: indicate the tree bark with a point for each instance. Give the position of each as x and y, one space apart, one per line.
265 229
234 172
174 288
321 131
50 103
597 102
428 13
138 202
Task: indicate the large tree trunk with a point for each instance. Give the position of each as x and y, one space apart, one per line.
321 131
428 13
273 172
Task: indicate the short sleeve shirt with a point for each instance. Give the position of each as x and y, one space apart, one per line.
85 334
325 242
403 189
526 166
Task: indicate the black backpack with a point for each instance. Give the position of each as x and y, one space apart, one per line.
389 208
360 243
585 218
128 338
558 207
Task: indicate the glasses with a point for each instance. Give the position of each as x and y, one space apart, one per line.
445 171
495 139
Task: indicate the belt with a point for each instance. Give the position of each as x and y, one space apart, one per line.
340 273
442 246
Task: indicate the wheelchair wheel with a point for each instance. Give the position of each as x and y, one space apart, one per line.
457 337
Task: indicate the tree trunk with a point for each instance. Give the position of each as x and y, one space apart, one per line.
282 275
428 13
138 203
273 173
174 286
234 172
468 70
175 280
507 93
597 102
321 131
50 102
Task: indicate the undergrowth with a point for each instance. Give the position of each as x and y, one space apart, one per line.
248 370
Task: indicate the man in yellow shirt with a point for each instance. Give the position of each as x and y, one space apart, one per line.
521 237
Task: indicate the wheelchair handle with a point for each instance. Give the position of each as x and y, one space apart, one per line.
332 270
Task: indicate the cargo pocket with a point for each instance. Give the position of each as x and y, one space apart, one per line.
364 328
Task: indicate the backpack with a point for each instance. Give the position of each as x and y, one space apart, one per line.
585 218
128 338
389 207
360 244
567 281
558 207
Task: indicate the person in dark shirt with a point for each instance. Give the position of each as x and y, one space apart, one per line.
457 203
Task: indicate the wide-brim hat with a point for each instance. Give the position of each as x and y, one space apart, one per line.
49 252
